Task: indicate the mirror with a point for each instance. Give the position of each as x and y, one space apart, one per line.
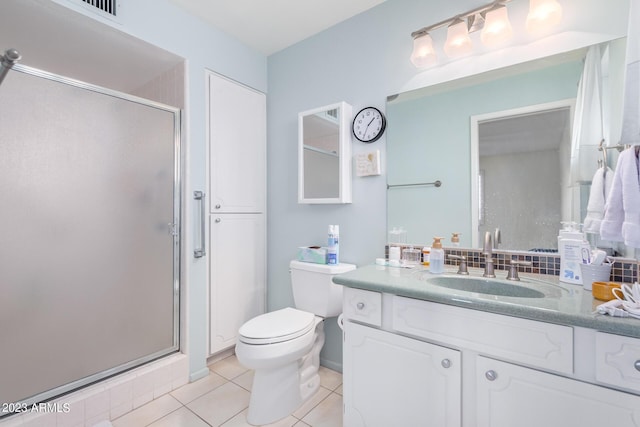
515 149
429 139
324 155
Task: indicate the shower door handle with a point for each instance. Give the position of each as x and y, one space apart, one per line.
201 251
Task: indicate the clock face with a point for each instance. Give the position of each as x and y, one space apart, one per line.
369 124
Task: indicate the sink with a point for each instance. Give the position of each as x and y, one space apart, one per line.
485 286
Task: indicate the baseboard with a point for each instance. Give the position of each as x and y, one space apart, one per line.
199 374
331 365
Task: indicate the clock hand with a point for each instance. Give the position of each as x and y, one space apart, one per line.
365 129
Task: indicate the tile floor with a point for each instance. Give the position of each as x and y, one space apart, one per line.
222 399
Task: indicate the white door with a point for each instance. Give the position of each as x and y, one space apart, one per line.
390 380
237 147
237 284
510 395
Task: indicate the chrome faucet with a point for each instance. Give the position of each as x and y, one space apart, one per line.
487 251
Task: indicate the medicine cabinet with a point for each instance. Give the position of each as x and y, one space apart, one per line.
324 155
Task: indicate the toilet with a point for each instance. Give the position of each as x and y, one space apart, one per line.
283 346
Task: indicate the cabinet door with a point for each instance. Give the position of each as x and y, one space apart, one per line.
510 395
390 380
237 275
237 147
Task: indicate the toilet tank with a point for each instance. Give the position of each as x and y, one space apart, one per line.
313 290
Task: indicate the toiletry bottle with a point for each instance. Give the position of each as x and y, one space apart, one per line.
333 245
436 259
455 239
426 253
572 247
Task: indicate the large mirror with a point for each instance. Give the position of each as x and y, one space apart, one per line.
499 144
324 155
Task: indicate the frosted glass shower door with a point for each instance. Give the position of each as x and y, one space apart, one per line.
89 194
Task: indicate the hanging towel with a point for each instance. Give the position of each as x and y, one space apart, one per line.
621 221
587 131
600 189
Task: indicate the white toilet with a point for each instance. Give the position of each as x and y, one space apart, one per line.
283 347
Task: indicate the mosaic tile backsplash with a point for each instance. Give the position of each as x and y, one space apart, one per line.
623 269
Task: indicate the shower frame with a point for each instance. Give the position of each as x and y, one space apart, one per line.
174 229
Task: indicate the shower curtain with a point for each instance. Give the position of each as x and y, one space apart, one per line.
89 260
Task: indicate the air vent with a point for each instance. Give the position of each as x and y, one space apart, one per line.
107 6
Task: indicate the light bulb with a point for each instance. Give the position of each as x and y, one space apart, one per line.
497 28
543 14
423 55
458 41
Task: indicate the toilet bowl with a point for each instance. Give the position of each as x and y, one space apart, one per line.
283 346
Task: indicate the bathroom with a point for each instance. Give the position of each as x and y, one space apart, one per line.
329 67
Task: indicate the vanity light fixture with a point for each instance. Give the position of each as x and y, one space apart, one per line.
497 28
491 18
543 14
458 41
423 55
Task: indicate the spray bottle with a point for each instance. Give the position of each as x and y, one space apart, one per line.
333 243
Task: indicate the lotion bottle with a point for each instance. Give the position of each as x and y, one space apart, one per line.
436 259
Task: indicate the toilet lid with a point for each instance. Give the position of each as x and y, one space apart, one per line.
277 326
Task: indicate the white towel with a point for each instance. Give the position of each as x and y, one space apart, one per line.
600 189
621 221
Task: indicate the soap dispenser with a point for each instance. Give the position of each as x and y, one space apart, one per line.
436 259
455 239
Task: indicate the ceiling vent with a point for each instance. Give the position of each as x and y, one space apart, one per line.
106 6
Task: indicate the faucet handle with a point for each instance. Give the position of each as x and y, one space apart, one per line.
462 266
513 269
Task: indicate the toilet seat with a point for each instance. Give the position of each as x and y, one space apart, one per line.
277 326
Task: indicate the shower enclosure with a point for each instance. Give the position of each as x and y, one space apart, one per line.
89 233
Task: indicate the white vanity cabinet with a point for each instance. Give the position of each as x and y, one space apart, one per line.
431 364
236 128
509 395
391 380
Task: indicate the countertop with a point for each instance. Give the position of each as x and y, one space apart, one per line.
564 304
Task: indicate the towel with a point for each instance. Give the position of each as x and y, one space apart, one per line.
600 189
621 221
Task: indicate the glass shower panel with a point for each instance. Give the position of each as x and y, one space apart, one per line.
88 260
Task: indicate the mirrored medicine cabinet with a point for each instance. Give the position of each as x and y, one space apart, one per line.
324 155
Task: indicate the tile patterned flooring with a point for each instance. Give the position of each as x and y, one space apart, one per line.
222 399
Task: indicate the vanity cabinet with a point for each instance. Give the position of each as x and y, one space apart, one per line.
509 395
431 364
391 380
236 131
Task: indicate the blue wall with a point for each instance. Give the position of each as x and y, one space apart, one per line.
361 61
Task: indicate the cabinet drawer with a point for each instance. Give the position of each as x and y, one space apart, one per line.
531 343
618 361
362 306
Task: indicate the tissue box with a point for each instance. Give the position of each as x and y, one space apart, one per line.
315 254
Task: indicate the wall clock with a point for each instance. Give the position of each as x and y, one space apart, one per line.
369 124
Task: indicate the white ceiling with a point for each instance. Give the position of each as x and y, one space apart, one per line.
272 25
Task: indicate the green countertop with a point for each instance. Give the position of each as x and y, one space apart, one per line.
563 304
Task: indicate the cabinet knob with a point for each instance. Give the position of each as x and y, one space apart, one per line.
218 220
446 363
491 375
218 206
360 305
637 365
